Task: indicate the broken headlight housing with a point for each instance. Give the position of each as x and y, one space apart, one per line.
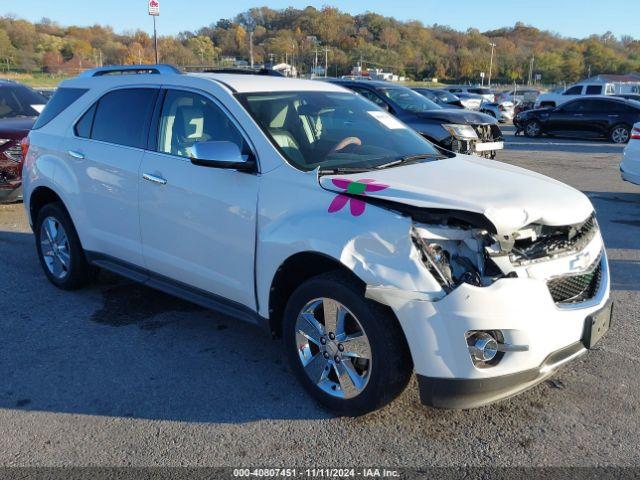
453 256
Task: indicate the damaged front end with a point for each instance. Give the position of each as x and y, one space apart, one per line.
456 254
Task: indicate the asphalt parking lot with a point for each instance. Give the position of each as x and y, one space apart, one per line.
120 375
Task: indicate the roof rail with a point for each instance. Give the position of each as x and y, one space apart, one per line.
245 71
160 69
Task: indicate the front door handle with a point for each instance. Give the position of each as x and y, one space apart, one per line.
154 179
75 154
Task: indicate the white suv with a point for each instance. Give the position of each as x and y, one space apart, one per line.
303 207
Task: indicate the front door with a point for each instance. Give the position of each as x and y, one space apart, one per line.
198 223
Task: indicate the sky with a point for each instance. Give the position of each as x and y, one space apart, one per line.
571 18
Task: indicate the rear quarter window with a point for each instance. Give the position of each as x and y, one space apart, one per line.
60 101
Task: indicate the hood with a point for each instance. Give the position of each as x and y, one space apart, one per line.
16 128
454 115
509 197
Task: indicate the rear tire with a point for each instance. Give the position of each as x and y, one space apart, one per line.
620 134
59 250
380 358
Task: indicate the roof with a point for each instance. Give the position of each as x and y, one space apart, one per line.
365 83
256 83
629 78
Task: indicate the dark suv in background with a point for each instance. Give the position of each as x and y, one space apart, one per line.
456 130
19 108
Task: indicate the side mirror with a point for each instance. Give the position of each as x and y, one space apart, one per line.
221 154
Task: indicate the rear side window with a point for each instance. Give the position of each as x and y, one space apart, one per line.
593 90
60 101
122 117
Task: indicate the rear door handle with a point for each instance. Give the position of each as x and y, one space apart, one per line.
152 178
613 116
75 154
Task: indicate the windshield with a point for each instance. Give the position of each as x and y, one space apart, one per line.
447 96
333 130
18 101
409 100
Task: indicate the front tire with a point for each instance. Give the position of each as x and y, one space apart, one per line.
59 250
348 352
533 129
620 134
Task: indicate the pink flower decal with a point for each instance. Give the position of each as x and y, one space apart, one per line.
358 187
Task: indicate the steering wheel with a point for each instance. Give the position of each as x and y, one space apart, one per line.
342 144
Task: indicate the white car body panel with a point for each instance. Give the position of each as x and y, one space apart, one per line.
228 232
630 165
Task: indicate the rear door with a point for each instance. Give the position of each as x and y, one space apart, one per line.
198 223
105 151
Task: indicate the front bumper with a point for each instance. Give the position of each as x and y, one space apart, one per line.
472 393
526 314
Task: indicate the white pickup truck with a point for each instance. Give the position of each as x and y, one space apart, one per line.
552 99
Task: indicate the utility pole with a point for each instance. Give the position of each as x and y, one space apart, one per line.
326 61
155 38
533 59
493 46
315 63
251 48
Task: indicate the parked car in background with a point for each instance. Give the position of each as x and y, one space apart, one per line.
630 166
441 97
552 99
456 130
19 107
305 209
470 101
502 111
524 95
484 92
590 117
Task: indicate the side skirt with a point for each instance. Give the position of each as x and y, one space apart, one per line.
177 289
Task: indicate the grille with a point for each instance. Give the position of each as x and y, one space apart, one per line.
14 153
570 289
487 133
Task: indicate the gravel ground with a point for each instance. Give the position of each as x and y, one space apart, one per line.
121 375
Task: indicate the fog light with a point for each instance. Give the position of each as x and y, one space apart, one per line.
483 347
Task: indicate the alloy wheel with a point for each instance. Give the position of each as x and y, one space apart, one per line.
55 248
333 348
533 129
620 135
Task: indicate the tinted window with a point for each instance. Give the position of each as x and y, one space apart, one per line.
122 116
60 101
369 95
480 91
83 127
593 90
578 106
577 90
409 100
188 118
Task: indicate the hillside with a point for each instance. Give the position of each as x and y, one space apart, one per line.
408 48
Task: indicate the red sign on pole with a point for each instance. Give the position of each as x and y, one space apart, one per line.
154 8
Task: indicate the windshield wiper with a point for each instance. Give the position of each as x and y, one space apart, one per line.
409 159
343 170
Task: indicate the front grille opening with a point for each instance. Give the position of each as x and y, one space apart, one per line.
572 289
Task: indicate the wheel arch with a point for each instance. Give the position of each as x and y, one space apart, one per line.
40 197
295 270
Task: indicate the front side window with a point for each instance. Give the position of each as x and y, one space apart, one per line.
575 107
577 90
409 101
188 118
333 130
122 117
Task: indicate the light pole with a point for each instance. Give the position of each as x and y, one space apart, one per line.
493 46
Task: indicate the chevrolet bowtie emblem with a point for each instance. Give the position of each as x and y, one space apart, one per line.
581 262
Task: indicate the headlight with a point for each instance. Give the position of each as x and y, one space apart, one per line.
462 132
4 141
